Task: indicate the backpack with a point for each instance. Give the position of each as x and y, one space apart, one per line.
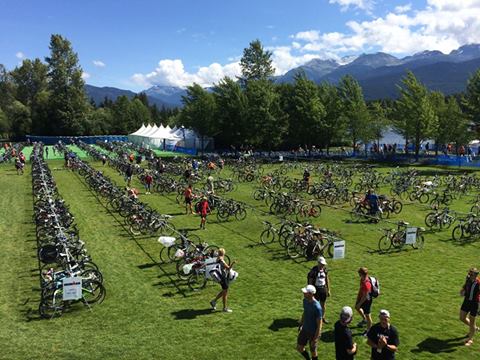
375 287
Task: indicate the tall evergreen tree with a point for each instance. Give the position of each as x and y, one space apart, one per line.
256 63
354 111
332 127
68 102
472 98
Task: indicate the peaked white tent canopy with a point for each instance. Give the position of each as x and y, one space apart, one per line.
165 137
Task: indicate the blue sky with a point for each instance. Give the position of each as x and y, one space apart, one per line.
137 44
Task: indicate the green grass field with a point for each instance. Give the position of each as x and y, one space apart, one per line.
148 313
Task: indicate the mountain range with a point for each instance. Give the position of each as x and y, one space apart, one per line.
378 74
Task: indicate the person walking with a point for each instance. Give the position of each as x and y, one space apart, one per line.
383 338
204 210
471 293
224 282
318 277
310 324
148 183
364 301
129 174
345 348
46 152
188 195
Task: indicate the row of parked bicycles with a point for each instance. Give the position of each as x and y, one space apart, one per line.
62 255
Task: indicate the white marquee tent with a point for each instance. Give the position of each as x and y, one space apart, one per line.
167 138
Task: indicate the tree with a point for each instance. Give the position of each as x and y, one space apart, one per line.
121 119
256 63
68 102
266 123
20 120
7 89
472 98
198 111
354 111
231 114
4 124
30 79
416 116
332 127
307 113
378 120
138 115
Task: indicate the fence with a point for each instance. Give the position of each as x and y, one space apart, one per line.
51 140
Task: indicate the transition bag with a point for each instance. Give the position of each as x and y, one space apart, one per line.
375 287
213 271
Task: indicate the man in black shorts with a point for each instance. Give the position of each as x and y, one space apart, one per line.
318 277
345 348
383 338
471 292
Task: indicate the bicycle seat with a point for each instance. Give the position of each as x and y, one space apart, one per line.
403 223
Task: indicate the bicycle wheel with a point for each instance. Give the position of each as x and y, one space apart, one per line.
397 207
197 280
315 211
447 222
430 220
330 249
267 236
384 244
457 233
93 292
241 214
475 209
164 255
91 274
423 198
419 243
398 239
295 249
49 311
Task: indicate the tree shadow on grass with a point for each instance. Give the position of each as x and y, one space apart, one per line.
278 324
438 346
190 314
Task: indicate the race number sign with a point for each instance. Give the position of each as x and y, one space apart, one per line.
72 288
339 249
411 236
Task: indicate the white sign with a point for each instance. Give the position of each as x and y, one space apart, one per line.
280 158
72 288
339 249
411 236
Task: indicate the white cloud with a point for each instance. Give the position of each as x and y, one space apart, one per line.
85 75
172 72
403 8
441 25
20 55
99 63
361 4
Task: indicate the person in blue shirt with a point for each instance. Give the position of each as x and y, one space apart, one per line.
373 202
310 324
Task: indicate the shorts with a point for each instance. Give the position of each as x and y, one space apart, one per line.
305 337
204 214
188 201
321 294
470 306
224 284
367 306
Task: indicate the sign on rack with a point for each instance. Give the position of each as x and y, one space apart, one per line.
411 236
339 249
72 288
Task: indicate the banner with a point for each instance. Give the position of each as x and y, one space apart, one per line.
72 288
411 236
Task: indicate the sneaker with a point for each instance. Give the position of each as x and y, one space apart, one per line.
227 310
362 323
213 304
364 334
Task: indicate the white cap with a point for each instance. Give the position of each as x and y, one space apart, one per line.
346 314
321 260
309 289
384 312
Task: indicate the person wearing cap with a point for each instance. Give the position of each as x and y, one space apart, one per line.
363 304
471 293
318 277
310 323
383 338
345 348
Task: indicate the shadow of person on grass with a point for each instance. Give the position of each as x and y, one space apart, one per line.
189 314
438 346
278 324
